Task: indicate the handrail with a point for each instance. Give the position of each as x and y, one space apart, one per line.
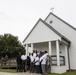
11 62
54 60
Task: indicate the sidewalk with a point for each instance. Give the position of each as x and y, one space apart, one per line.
26 73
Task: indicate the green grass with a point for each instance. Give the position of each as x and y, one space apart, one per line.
8 70
67 73
14 71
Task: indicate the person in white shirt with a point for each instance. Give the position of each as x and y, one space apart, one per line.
37 63
31 63
34 55
24 57
24 62
40 56
43 63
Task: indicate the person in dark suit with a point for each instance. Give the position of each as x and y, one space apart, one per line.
19 62
28 61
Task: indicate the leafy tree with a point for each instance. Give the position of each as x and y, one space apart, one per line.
10 45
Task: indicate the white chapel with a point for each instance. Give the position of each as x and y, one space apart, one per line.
58 38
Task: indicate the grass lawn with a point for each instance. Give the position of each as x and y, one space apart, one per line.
14 71
68 73
8 70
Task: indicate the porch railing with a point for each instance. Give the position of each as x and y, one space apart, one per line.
54 60
10 63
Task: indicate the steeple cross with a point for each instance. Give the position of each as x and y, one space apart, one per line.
52 9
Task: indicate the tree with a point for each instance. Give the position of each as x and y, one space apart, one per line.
10 45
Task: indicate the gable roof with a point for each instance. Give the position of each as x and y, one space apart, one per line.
61 20
49 26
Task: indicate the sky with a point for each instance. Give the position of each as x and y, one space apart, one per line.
18 17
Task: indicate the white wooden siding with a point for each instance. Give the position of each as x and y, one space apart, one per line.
41 33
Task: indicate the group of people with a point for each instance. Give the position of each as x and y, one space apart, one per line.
35 62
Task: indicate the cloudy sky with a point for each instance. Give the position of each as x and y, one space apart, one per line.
17 17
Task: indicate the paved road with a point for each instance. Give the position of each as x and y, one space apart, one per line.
27 73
